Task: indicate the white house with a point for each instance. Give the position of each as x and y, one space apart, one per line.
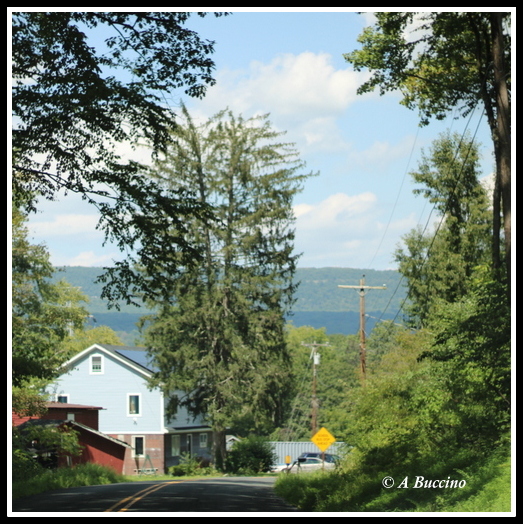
115 378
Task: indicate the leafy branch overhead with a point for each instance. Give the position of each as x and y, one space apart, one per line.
449 61
86 86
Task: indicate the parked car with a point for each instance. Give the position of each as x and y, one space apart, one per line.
328 457
304 464
277 468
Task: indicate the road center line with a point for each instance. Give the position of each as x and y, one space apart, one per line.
126 503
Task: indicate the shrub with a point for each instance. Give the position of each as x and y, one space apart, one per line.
251 455
189 465
24 466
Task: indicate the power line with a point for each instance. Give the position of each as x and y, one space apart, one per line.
443 215
396 201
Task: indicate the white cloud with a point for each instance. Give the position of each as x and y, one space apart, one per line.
304 94
347 231
336 210
87 259
334 228
66 225
400 225
382 153
304 86
302 209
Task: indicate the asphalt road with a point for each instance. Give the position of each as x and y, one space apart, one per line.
225 494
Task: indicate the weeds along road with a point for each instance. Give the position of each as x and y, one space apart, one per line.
226 494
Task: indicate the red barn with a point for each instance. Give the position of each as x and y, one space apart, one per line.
96 446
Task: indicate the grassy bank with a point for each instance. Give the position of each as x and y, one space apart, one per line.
48 480
486 488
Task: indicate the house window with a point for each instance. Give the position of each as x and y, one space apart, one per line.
133 405
203 440
62 399
96 365
175 446
138 444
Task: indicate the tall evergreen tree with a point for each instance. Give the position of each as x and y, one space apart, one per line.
219 334
439 265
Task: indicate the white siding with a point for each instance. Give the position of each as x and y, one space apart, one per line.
110 390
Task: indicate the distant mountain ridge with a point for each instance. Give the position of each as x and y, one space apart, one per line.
319 300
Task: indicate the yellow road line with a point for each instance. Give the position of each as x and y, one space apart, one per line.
127 502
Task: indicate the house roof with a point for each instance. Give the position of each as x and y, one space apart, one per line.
68 407
50 423
135 357
190 429
18 420
138 355
99 433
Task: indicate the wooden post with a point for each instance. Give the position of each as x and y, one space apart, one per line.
362 290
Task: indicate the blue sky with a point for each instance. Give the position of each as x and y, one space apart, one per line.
290 64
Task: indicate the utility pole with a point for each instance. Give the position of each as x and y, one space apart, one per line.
362 291
315 356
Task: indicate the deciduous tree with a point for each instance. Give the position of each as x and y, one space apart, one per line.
43 314
440 61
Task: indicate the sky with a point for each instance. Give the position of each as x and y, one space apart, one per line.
355 212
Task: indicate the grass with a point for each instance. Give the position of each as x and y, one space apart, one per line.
487 489
48 480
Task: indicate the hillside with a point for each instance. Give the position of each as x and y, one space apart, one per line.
319 300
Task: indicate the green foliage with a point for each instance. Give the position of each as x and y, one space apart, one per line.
81 475
472 347
85 338
251 455
381 341
189 465
77 100
490 488
34 445
439 265
43 313
24 466
487 486
334 377
436 404
219 335
306 491
411 52
27 399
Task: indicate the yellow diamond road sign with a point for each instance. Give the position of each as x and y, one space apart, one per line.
323 439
